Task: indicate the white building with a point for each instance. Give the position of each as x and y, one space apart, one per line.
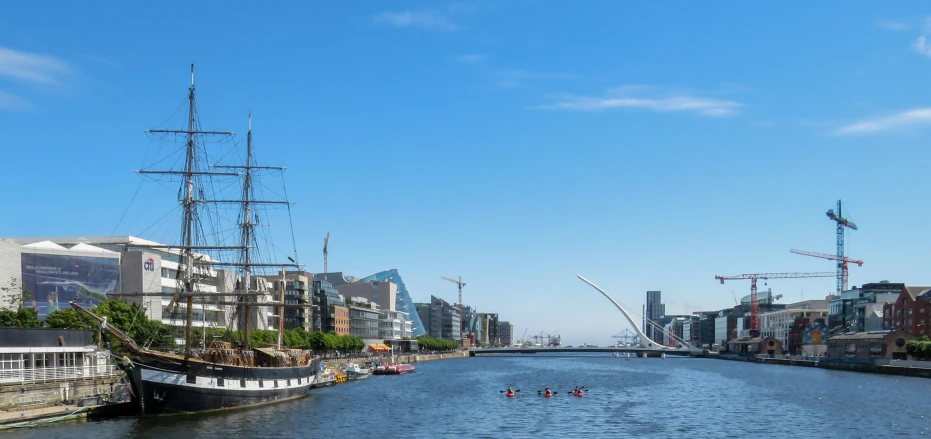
59 269
394 325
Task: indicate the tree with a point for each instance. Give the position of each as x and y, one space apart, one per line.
69 318
22 318
18 292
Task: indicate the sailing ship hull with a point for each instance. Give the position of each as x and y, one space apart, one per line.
168 388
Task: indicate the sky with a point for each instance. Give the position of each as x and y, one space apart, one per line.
513 143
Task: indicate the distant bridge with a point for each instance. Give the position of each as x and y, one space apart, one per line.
638 352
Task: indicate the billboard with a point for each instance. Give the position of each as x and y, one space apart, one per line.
815 333
55 280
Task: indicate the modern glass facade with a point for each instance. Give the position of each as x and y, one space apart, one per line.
403 302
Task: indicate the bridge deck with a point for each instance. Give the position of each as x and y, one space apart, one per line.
638 351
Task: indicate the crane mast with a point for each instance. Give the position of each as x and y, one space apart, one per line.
842 224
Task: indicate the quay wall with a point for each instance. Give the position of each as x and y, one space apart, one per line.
27 396
880 366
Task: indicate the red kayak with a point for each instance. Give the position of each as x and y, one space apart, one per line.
547 394
510 394
579 394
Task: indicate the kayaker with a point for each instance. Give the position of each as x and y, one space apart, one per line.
510 390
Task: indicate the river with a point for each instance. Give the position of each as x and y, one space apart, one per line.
664 398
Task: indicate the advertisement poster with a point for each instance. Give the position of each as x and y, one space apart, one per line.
815 333
55 280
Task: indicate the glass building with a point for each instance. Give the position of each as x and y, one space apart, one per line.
403 302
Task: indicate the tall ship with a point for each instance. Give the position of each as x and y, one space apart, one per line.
216 375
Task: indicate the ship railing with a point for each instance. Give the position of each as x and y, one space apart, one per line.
67 373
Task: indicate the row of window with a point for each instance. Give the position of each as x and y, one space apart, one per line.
221 382
35 361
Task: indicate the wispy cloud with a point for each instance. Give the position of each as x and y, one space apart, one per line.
32 67
621 97
10 101
471 58
921 46
422 19
103 60
894 25
904 119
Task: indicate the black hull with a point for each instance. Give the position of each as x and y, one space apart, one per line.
164 387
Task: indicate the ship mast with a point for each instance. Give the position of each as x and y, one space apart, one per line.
187 237
247 230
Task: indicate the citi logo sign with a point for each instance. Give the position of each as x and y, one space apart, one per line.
149 265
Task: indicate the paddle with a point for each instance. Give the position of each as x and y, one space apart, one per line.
540 392
502 391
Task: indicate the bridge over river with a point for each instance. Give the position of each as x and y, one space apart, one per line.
648 347
633 351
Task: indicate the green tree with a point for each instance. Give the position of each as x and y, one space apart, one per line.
22 318
317 341
69 318
18 292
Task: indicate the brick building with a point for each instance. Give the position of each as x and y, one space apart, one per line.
910 312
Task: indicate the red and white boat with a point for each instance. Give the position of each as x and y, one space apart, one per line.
393 369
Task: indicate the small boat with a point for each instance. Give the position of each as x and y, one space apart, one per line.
547 394
510 394
324 379
356 372
579 394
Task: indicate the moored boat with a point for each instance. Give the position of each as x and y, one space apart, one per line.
218 376
357 372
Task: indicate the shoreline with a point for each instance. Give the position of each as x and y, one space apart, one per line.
849 366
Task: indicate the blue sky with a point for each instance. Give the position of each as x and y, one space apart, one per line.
515 143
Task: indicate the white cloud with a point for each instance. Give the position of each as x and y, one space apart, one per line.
921 46
32 67
9 101
471 58
422 19
904 119
619 98
894 25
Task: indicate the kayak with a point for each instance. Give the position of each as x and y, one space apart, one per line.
579 394
547 394
510 394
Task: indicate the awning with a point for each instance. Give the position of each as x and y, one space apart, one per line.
380 347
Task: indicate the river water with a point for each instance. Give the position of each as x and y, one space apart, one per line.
664 398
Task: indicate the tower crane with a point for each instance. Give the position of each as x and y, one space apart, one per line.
843 261
842 224
326 241
754 303
461 284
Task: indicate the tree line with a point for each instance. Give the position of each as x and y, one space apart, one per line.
130 318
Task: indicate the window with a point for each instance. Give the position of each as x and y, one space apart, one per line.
242 383
261 383
220 382
289 382
276 383
191 378
11 361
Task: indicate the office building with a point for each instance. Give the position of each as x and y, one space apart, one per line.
654 311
